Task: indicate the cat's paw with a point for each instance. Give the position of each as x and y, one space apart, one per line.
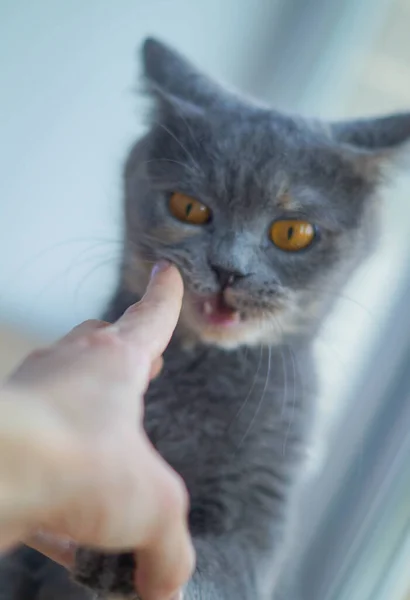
110 576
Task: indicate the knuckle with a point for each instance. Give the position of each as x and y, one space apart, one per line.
118 354
91 323
39 353
104 337
177 496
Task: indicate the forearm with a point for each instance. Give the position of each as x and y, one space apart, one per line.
32 452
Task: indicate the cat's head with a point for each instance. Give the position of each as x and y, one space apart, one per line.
264 214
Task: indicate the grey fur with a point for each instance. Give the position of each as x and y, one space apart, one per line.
233 413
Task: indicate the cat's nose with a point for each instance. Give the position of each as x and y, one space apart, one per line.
226 276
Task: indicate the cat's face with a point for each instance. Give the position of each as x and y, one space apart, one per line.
262 213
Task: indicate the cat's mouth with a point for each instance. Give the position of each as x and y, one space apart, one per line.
215 310
227 319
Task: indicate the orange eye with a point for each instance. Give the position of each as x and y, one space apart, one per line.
188 209
292 235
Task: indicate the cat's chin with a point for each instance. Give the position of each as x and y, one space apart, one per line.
248 334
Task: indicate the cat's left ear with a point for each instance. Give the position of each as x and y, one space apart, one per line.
170 75
376 142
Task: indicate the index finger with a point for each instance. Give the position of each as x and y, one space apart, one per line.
151 322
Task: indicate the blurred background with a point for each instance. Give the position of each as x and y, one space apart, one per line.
70 108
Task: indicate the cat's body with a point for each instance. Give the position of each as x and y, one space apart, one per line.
266 216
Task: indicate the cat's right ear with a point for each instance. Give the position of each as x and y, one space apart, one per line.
379 140
379 134
375 144
171 77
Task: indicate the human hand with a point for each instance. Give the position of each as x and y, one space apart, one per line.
108 487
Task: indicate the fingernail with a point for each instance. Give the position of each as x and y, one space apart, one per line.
178 596
161 265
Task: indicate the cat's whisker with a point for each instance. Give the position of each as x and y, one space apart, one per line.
178 141
293 404
342 296
244 403
64 273
276 322
285 383
183 119
335 354
260 403
144 238
100 265
169 160
133 262
31 262
164 251
79 260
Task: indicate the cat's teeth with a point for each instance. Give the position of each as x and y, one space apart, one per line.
207 308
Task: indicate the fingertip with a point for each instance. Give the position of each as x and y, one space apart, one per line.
165 273
165 284
160 267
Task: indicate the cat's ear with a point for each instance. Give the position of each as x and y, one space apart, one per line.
379 134
376 142
171 76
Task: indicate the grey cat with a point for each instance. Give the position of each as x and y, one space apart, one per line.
266 216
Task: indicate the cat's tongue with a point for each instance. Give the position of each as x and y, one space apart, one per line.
216 312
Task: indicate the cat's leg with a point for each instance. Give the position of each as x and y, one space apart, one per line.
229 567
25 574
109 575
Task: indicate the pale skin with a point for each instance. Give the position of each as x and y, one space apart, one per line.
76 467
